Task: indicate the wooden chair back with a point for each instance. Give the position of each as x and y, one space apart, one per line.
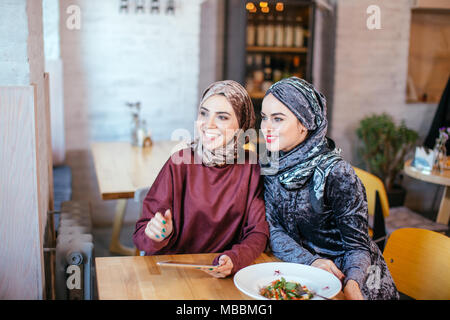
419 262
373 184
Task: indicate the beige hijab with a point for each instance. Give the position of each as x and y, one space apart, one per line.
242 105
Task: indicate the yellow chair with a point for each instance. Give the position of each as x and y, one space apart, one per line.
385 219
377 204
373 184
419 262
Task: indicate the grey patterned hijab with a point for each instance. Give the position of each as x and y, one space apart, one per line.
309 106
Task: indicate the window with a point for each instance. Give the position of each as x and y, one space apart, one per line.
429 54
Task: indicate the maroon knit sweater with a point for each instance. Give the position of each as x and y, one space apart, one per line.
214 209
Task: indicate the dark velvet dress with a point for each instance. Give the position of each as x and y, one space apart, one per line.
322 213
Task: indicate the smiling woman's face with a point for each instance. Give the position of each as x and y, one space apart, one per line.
281 128
216 122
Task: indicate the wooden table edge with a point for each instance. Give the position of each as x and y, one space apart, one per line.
265 257
419 175
117 195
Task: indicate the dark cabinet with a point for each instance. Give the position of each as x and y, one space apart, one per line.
266 41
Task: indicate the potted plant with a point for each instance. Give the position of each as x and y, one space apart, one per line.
384 146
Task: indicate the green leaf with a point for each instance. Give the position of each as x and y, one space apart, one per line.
291 286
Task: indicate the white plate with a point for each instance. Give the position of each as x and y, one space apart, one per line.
251 279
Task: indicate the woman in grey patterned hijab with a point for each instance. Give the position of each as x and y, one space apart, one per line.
315 204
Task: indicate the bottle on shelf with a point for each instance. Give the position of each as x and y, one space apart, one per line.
261 31
258 73
298 33
270 31
249 82
296 68
279 32
277 73
287 67
289 32
268 81
251 30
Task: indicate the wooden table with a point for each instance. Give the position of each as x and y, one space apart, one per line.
437 178
136 278
122 169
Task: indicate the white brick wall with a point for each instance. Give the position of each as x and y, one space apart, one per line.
371 70
13 45
118 57
370 77
50 11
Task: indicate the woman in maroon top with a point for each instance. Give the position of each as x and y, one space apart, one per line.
210 201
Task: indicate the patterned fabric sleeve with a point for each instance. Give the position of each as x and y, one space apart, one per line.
282 245
347 197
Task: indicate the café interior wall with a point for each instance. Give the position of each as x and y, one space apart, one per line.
370 78
212 43
323 54
115 57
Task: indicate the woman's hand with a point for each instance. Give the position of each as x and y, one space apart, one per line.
224 268
329 266
160 227
352 291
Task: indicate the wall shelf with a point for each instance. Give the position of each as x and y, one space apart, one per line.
277 49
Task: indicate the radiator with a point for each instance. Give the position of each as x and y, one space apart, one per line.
74 258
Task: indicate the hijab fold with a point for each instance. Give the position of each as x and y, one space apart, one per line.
242 105
296 166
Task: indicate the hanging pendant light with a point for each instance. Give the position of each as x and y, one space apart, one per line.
139 6
154 6
123 5
170 7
